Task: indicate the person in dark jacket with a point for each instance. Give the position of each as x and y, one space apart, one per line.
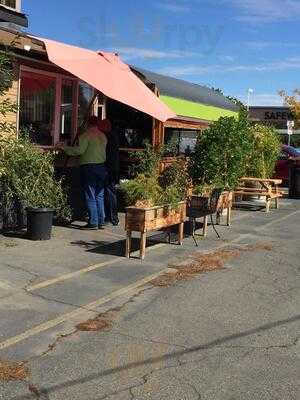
113 170
92 152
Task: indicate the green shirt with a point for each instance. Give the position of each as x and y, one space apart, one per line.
91 149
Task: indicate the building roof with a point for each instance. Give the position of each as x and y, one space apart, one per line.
286 107
12 16
181 89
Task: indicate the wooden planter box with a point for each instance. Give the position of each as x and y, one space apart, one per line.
225 201
199 208
145 220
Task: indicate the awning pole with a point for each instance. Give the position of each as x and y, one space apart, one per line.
83 125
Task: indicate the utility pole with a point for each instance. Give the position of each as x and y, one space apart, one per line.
250 91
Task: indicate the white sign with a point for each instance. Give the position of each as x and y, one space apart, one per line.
290 127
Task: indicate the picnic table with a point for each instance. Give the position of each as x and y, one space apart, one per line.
267 188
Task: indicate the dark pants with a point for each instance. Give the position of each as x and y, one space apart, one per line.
93 178
111 204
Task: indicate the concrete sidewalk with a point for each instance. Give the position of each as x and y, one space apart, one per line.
47 288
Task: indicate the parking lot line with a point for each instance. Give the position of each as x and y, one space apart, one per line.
83 311
275 221
70 275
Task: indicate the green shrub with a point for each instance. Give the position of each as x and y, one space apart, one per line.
27 174
221 154
148 188
176 175
147 161
142 190
265 152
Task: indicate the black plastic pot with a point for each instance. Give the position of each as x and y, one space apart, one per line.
39 223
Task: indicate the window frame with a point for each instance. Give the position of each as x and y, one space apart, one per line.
16 8
58 100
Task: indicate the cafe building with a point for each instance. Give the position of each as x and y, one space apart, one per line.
56 85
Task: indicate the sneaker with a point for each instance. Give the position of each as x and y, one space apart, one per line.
102 226
89 227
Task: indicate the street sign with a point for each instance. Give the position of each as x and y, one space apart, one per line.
290 127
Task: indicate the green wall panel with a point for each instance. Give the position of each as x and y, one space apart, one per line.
196 110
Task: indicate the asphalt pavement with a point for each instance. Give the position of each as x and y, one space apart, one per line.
228 334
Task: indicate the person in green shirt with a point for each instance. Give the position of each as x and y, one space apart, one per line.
92 154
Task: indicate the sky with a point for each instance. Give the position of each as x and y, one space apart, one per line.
233 45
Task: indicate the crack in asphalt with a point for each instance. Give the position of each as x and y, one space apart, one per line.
65 303
39 394
51 347
176 357
22 270
146 377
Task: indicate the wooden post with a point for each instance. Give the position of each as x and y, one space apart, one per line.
169 235
218 217
205 220
181 233
128 244
277 196
268 204
229 216
143 245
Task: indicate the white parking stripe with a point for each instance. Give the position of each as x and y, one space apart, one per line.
82 271
82 312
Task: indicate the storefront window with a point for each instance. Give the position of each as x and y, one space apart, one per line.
67 109
8 3
53 107
180 141
37 107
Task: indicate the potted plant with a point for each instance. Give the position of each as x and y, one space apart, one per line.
28 176
155 201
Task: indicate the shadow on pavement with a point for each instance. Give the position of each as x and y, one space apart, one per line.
117 248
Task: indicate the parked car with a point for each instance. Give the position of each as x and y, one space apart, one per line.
282 165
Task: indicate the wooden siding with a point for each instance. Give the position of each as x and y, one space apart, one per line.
12 94
186 124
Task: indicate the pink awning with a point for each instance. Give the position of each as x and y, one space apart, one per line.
108 74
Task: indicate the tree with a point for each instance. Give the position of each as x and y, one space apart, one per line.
293 101
265 151
233 99
238 103
221 154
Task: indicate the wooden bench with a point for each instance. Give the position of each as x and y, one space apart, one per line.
269 188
